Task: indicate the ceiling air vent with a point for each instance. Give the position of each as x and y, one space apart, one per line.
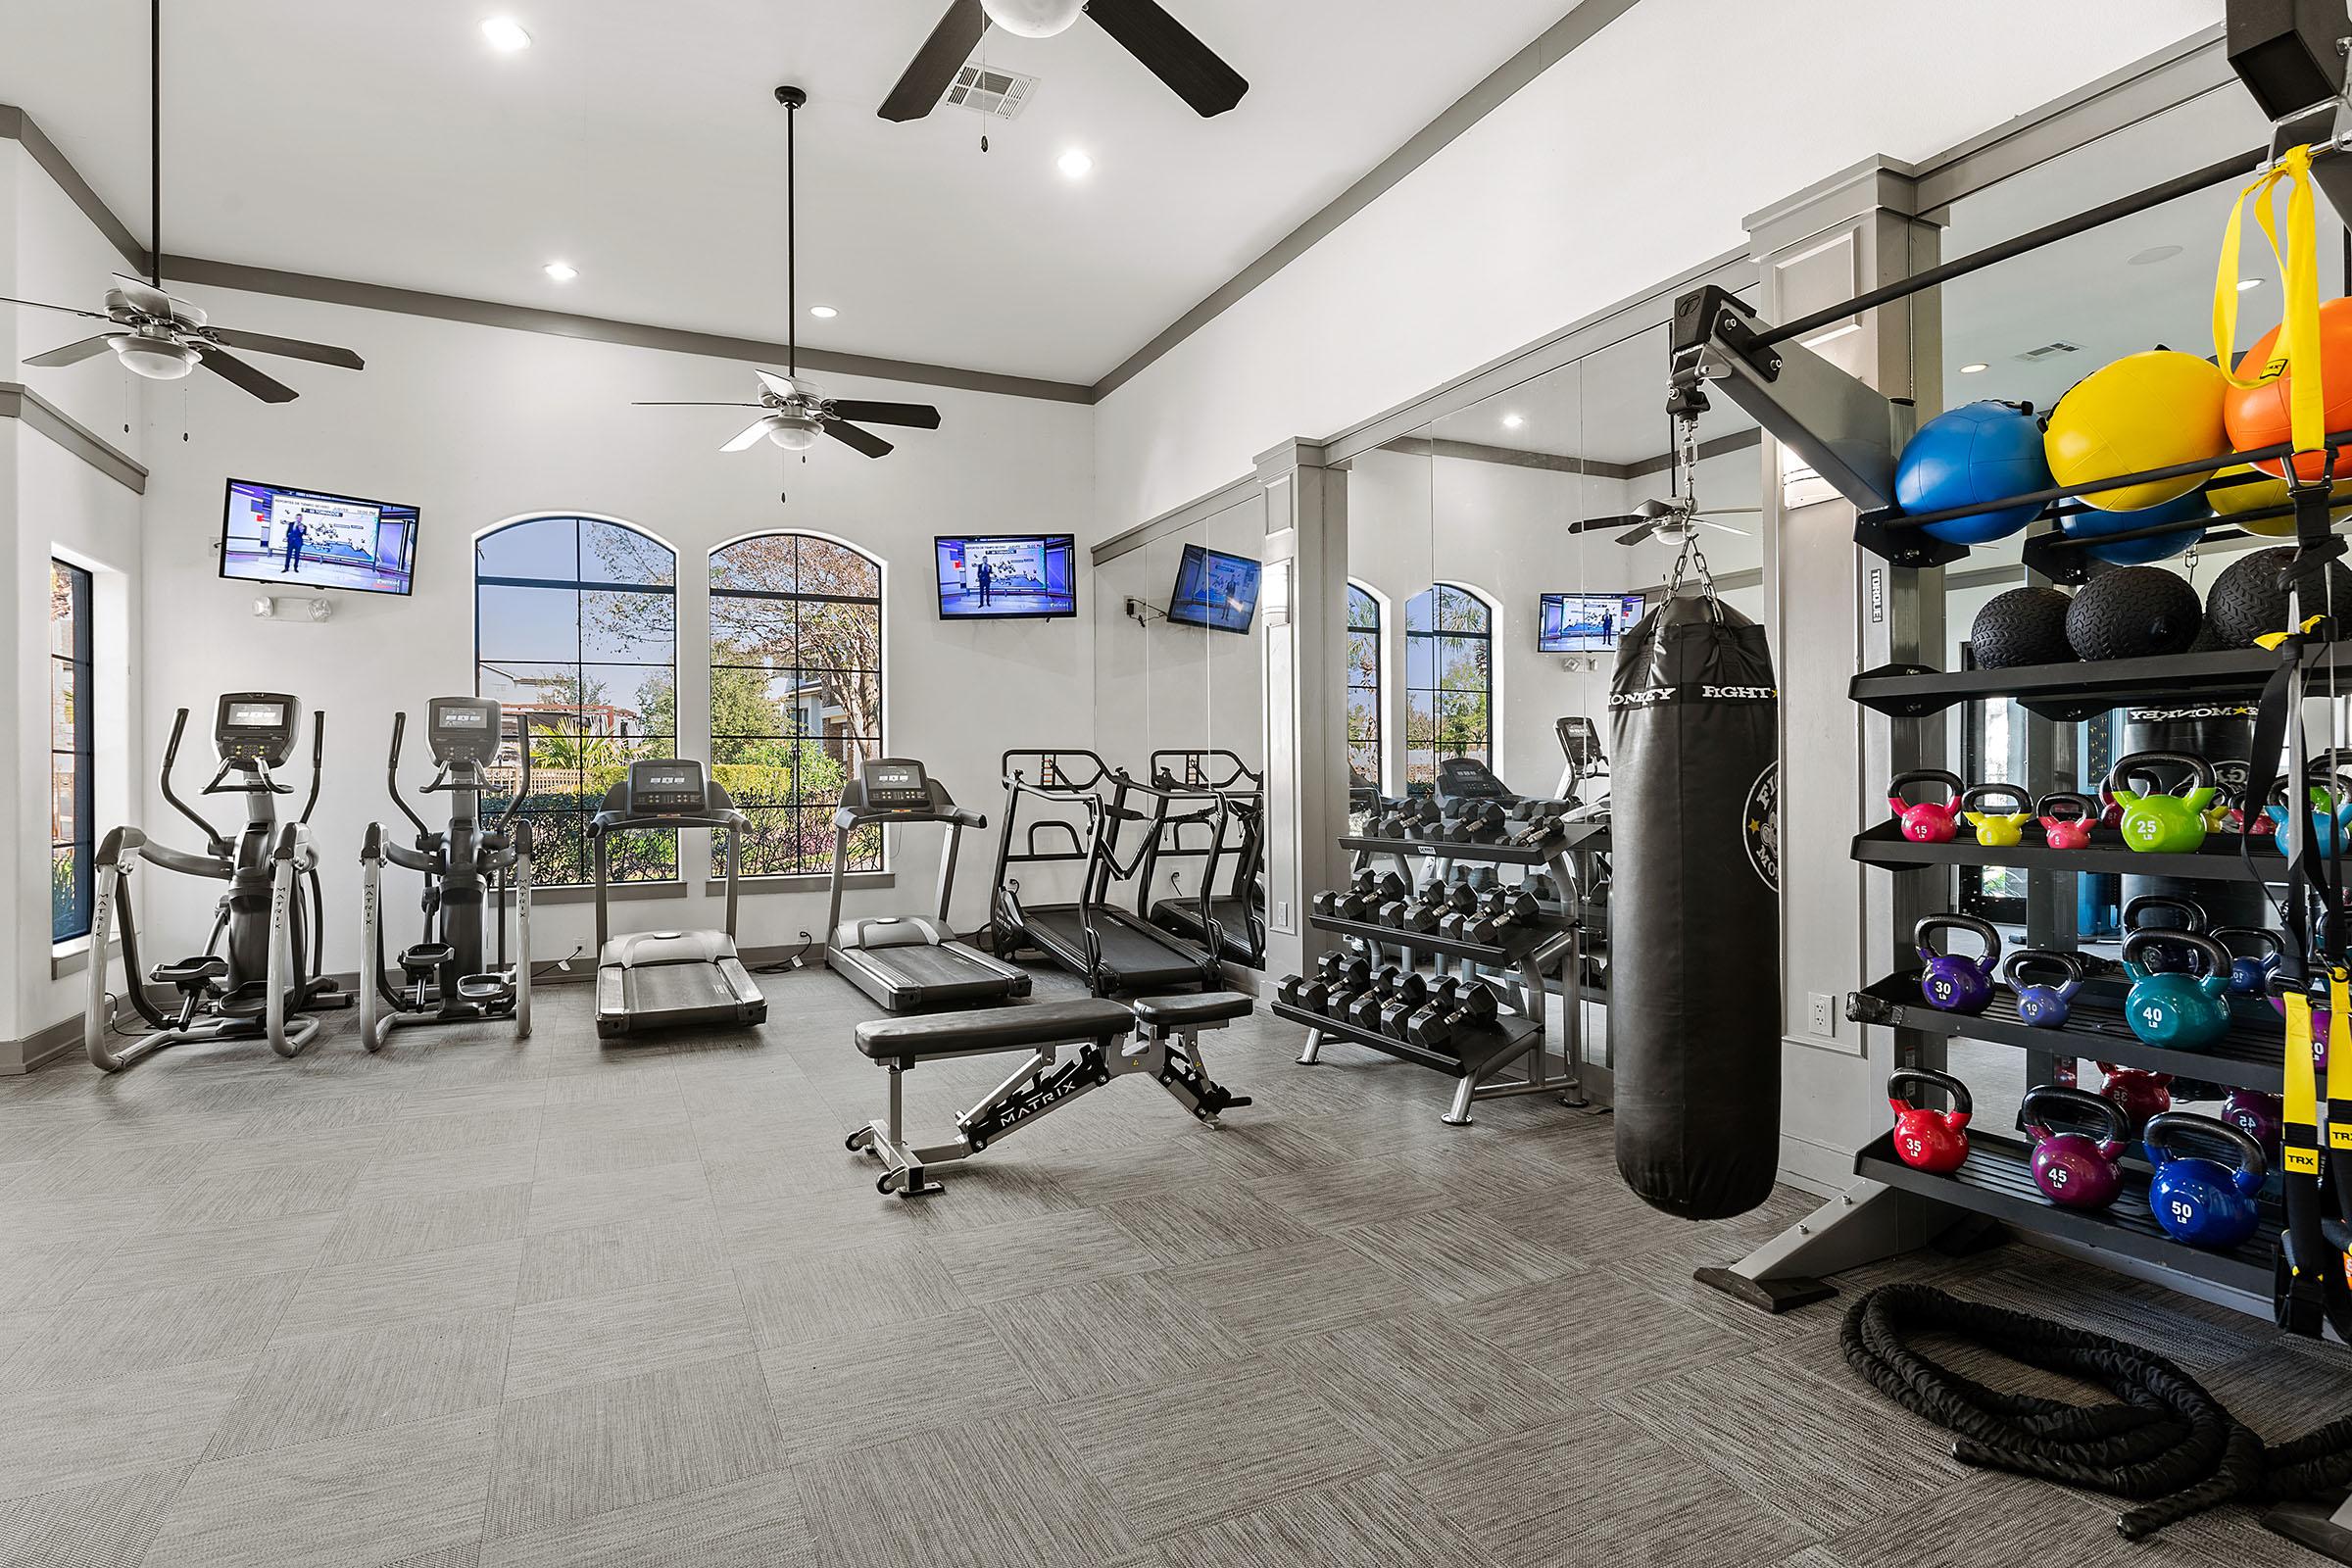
2050 350
999 94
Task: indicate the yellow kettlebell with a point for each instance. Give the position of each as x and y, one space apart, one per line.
1998 830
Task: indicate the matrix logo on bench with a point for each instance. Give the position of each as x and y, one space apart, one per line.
1705 694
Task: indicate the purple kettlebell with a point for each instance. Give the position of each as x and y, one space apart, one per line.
2257 1115
1954 982
2075 1170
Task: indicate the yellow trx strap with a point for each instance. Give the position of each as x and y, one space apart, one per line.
2297 348
2338 1087
2299 1136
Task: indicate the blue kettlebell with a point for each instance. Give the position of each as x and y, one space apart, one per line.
2193 917
1954 982
2044 1006
2250 972
2198 1200
2179 1012
2330 812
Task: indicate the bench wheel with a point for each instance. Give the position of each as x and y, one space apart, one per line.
862 1138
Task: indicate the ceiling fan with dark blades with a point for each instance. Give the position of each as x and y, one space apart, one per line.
1674 519
158 335
1165 47
795 411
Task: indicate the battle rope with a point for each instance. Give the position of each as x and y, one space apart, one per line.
2170 1446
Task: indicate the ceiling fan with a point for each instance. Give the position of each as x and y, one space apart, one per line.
1675 517
158 335
795 412
1140 26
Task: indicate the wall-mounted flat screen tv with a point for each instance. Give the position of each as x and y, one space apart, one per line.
309 539
1215 590
1026 576
1585 623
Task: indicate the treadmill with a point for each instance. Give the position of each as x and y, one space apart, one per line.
1238 914
651 980
909 963
1112 950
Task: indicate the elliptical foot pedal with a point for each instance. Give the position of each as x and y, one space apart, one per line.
190 974
484 987
425 958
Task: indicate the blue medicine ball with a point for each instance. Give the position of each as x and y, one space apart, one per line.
1977 451
2139 552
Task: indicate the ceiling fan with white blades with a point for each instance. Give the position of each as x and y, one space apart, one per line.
792 410
1167 48
158 335
1675 517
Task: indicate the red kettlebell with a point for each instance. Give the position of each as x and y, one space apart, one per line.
1926 821
2067 819
2138 1094
1934 1141
2111 810
2075 1170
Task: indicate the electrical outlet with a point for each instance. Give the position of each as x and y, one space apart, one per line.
1824 1016
1282 913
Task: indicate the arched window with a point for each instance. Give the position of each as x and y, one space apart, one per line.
796 692
1364 687
575 626
1449 681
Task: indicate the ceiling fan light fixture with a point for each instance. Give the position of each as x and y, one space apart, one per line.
1032 19
794 432
158 358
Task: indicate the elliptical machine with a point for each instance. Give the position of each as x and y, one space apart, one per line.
445 978
265 980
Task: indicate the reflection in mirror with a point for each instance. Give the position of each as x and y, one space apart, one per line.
1390 557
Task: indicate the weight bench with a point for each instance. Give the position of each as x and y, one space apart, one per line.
1166 1046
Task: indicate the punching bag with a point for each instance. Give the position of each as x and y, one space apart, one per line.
1695 987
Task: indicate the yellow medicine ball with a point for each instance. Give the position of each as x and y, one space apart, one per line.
2144 411
2229 500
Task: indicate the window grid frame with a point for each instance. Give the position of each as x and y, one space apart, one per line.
1361 597
79 662
1428 698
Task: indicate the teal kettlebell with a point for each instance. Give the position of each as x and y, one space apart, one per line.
2157 823
2331 810
2177 1010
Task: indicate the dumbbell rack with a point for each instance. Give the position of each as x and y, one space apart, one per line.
1479 1059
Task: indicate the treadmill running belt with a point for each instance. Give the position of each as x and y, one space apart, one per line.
1137 957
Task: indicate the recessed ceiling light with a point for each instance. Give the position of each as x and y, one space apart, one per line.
562 271
823 312
1075 164
1971 369
2245 283
506 35
2154 253
1512 422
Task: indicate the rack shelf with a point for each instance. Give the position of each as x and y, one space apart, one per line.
2247 1058
2217 862
1590 836
1998 1181
1492 956
2069 691
1480 1047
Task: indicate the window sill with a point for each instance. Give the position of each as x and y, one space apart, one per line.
73 958
809 882
625 893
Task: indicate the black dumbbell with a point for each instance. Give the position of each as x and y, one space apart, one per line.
1316 994
1479 821
1461 902
1543 888
1430 1024
1408 995
1498 911
1363 1009
1478 878
1435 1027
1353 978
1424 909
1285 991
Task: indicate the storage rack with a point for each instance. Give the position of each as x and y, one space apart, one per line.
1479 1059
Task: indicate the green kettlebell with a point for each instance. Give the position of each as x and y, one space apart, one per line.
2174 1010
2157 823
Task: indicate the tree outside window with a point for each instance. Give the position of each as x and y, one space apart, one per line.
1449 681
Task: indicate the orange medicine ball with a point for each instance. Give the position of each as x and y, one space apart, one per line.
2258 416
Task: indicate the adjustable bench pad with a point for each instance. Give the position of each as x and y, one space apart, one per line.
984 1030
1191 1011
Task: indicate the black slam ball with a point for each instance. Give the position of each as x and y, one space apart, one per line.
2134 612
2247 602
2023 626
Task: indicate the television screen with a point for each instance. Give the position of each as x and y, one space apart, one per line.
1214 590
309 539
1008 577
1586 624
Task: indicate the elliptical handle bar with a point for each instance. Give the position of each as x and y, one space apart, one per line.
523 785
318 762
213 840
400 724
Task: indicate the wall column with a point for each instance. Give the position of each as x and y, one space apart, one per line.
1304 602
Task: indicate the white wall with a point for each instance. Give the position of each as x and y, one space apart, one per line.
477 425
1634 159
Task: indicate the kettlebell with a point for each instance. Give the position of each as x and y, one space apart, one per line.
2140 1095
2158 824
2192 918
2075 1170
2178 1011
2250 973
1997 830
2254 1113
1926 821
2111 809
2330 810
2044 1006
2068 832
2200 1200
1929 1139
1954 982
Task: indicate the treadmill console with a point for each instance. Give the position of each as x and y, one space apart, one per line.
655 789
256 727
894 784
462 729
1465 778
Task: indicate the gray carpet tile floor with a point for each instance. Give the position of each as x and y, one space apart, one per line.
477 1303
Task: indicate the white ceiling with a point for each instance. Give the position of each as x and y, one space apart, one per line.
640 141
